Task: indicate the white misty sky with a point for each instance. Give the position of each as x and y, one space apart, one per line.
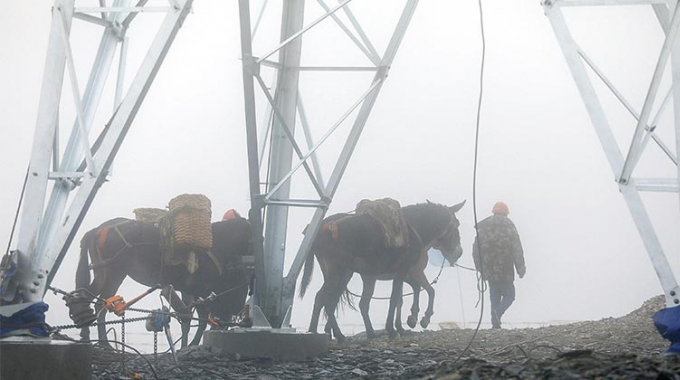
538 151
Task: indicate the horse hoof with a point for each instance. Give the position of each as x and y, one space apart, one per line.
246 322
411 321
394 335
340 338
424 322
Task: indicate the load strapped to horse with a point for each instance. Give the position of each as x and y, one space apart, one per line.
385 212
178 247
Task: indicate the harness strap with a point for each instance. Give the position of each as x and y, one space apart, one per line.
101 236
112 258
127 245
420 240
333 228
215 261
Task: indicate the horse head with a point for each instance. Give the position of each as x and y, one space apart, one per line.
448 243
231 241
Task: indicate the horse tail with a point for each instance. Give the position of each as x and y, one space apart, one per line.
307 274
83 271
347 298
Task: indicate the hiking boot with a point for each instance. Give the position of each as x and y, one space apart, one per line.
495 320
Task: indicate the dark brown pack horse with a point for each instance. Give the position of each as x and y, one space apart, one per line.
357 247
122 247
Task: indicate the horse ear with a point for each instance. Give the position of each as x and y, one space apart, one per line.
456 208
428 201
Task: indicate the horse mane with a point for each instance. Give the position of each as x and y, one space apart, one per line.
429 215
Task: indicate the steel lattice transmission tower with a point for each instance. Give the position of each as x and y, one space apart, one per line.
630 179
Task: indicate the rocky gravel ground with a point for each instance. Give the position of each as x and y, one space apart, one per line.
614 348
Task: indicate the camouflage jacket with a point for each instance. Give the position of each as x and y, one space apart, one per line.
501 250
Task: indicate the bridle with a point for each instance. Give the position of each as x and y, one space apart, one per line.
447 230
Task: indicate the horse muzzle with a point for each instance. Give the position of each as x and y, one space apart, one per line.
455 255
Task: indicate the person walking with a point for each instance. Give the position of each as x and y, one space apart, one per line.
497 252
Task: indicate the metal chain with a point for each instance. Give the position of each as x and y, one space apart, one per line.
122 339
155 345
138 310
66 327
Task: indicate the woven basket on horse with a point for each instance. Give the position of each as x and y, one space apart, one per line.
191 221
186 230
387 212
149 215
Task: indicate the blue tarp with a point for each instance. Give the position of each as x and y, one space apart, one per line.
28 321
667 322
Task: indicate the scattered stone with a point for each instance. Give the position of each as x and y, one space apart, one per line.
359 372
612 348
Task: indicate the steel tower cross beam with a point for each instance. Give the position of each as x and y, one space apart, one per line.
274 292
47 228
668 15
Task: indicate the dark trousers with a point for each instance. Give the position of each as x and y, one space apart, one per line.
502 294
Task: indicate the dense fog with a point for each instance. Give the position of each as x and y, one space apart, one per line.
538 151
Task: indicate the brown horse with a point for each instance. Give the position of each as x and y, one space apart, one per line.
357 247
122 247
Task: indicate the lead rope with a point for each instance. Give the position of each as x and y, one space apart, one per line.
441 268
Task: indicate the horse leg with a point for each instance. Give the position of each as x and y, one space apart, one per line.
430 303
365 303
177 304
185 322
95 288
397 310
397 316
319 303
397 286
340 286
415 308
109 290
202 312
332 323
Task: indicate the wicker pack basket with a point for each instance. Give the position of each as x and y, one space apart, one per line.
149 215
191 221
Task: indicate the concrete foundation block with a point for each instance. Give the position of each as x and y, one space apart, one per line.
37 359
272 344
